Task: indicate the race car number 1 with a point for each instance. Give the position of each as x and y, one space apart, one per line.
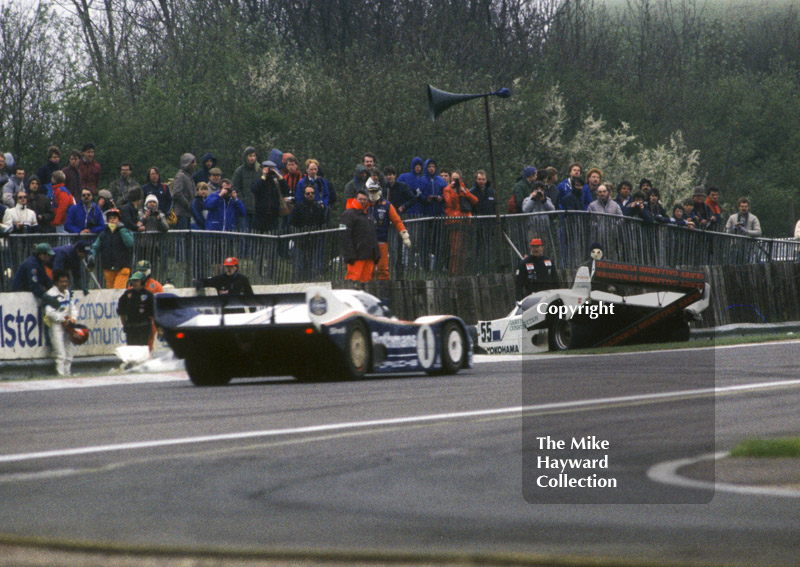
426 346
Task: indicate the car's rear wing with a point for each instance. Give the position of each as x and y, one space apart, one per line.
172 310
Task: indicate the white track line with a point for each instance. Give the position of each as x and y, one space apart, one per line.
680 394
667 473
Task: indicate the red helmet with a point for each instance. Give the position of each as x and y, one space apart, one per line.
232 261
114 212
78 334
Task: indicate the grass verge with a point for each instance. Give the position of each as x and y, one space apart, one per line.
771 448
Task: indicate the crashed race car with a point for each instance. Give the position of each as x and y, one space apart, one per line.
316 335
593 314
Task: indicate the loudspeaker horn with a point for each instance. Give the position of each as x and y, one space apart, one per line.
439 101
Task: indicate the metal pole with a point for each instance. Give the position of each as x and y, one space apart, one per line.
494 176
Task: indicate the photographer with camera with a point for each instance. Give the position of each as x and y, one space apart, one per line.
224 208
271 198
537 201
744 222
638 209
150 218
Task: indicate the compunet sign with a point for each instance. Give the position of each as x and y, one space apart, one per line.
23 333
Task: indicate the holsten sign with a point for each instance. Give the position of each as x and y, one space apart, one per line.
23 331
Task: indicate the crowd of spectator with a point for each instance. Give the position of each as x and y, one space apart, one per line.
281 194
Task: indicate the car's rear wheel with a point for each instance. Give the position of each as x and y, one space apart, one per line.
565 334
454 348
357 351
203 371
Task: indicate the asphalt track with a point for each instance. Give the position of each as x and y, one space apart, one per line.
428 465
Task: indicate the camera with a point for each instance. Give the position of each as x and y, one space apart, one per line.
538 194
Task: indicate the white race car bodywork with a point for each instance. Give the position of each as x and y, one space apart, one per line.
526 329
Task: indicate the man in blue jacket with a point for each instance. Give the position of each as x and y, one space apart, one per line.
433 192
85 217
415 179
224 208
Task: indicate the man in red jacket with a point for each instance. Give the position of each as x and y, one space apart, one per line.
63 200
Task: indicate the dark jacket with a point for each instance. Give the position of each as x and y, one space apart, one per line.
359 241
31 276
309 215
201 175
66 258
237 284
486 202
135 308
401 196
243 179
43 207
114 248
534 274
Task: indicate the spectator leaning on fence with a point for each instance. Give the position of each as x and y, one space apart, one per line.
32 275
573 201
604 203
743 222
655 208
638 208
701 214
623 198
713 204
70 257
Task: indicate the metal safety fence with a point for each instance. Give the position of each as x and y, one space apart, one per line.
442 246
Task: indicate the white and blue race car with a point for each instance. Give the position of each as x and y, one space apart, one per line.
317 335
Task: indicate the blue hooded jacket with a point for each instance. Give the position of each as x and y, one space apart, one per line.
434 187
416 183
